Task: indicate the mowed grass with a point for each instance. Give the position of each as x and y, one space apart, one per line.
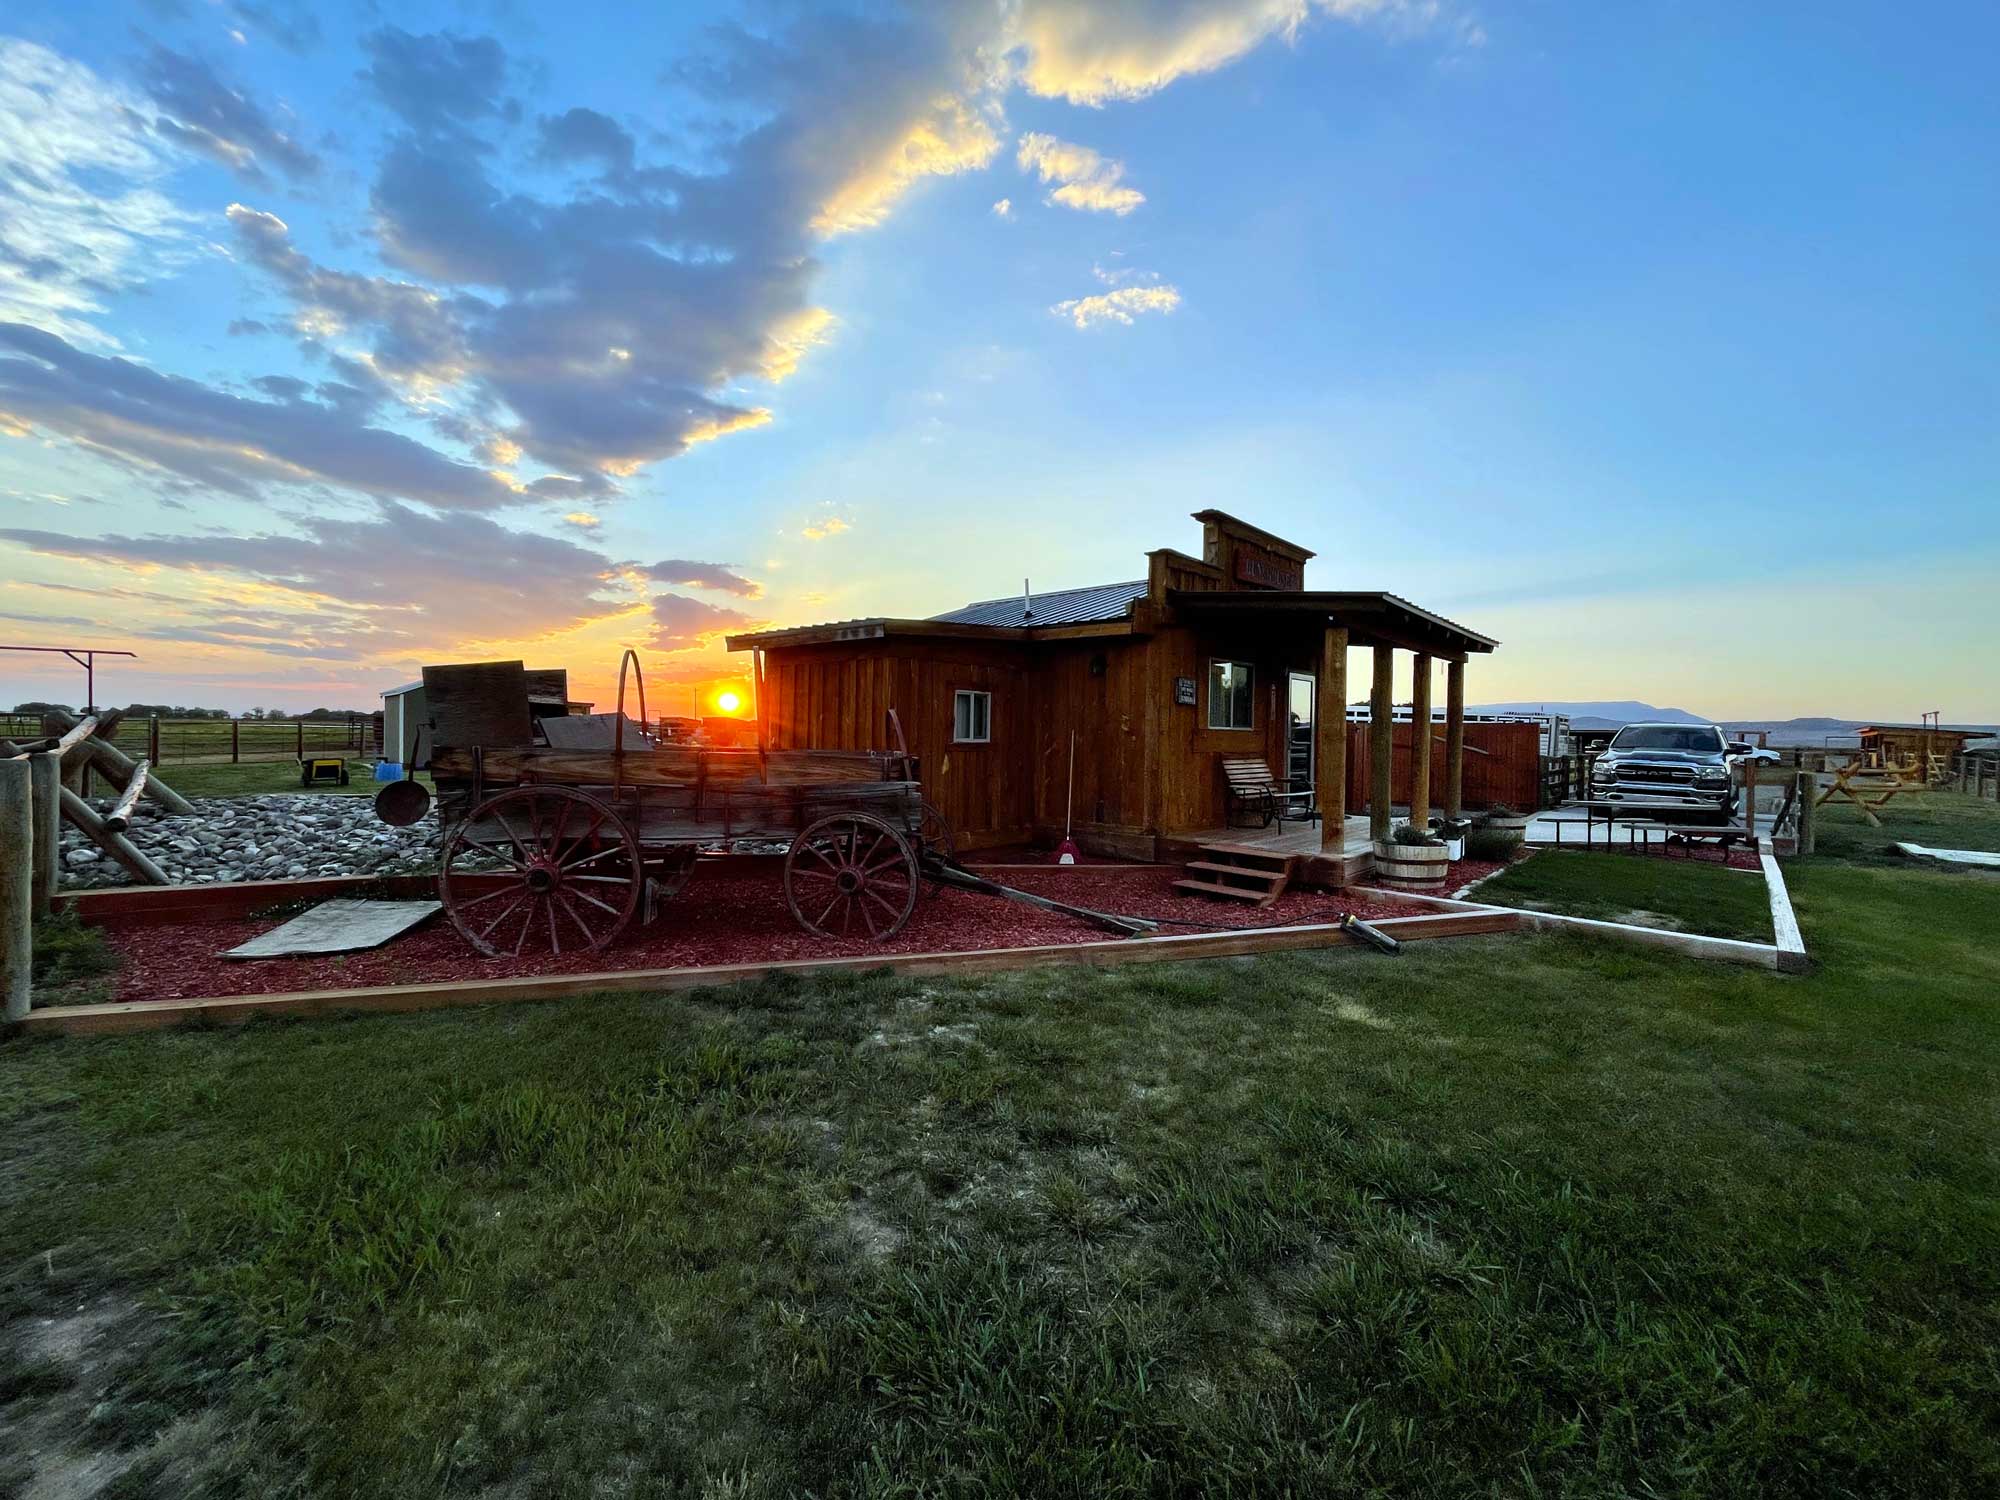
1934 818
1521 1216
1684 894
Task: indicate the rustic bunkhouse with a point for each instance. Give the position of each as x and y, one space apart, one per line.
1205 700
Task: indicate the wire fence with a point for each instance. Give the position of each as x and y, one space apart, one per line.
167 742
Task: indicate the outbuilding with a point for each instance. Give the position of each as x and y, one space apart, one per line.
1163 685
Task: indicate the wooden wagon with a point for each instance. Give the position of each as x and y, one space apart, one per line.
560 835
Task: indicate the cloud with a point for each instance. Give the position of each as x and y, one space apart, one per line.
80 219
438 81
1121 305
584 135
1086 180
204 114
721 577
178 426
1125 49
1004 209
831 526
682 624
583 520
408 580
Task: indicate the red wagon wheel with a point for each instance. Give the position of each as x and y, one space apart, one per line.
851 873
540 869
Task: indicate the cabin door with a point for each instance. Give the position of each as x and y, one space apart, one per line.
1299 731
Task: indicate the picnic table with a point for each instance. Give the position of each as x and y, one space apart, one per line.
1869 788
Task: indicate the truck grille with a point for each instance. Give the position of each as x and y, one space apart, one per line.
1656 775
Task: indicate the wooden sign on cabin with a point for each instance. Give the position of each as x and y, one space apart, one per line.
1266 570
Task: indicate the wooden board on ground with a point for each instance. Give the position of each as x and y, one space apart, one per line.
1979 858
343 926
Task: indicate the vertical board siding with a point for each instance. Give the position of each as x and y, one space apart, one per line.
1509 771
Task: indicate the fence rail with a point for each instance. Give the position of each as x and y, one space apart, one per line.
227 741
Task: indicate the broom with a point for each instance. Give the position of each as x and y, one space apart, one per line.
1066 851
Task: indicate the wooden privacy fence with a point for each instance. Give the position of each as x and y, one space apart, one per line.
1978 773
1503 763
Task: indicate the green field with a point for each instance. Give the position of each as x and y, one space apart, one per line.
1521 1216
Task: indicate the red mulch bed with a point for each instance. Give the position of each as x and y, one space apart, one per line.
728 914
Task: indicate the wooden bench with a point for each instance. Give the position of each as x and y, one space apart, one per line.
1252 789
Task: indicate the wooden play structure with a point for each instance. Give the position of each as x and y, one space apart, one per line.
58 763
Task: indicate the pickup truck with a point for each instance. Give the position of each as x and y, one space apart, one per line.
1665 769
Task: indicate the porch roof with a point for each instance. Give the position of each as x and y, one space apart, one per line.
1371 618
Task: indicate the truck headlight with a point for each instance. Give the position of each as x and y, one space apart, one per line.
1602 772
1711 778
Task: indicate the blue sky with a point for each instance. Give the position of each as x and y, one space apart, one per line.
1653 338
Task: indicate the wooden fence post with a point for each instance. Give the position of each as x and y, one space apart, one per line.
300 726
235 741
1808 795
153 739
17 922
45 799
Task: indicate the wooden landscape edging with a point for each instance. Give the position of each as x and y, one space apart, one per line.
149 905
1691 944
231 1010
1791 943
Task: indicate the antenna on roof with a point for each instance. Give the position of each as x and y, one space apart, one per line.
1027 602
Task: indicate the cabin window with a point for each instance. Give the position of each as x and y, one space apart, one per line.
971 718
1230 703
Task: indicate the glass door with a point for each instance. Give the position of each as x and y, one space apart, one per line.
1299 731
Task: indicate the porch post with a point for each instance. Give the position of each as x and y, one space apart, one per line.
1420 743
1330 729
1454 739
1381 741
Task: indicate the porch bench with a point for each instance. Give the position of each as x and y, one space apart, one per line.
1253 790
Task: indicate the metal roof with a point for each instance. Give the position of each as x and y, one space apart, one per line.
1084 606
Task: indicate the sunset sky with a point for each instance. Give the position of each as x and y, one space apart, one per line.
1655 338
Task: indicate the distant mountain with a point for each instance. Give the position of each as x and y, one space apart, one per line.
1598 715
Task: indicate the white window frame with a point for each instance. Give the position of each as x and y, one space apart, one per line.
1249 671
977 718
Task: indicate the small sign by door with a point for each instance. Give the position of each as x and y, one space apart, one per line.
1184 691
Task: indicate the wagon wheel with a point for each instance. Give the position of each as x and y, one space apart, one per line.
849 866
568 878
935 840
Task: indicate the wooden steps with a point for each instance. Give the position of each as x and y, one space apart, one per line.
1238 872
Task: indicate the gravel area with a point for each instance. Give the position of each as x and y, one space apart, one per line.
731 912
285 837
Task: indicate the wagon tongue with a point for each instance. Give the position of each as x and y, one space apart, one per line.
954 874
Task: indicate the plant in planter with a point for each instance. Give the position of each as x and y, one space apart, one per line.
1500 815
1493 844
1412 858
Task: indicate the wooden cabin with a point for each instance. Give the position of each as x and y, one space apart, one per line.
1914 744
1160 680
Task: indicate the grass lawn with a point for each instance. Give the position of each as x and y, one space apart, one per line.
1938 819
1521 1216
1684 894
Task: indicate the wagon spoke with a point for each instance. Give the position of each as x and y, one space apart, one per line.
527 923
822 856
489 928
868 917
578 864
838 897
496 852
578 842
589 936
505 890
600 905
501 819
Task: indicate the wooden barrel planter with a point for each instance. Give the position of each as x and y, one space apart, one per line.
1412 867
1517 821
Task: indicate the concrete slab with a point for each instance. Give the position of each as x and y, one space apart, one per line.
343 926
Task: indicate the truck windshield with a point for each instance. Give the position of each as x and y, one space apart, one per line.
1667 737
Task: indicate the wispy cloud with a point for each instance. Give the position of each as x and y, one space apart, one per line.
1004 209
683 624
1085 180
722 577
1120 305
201 112
80 216
831 526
